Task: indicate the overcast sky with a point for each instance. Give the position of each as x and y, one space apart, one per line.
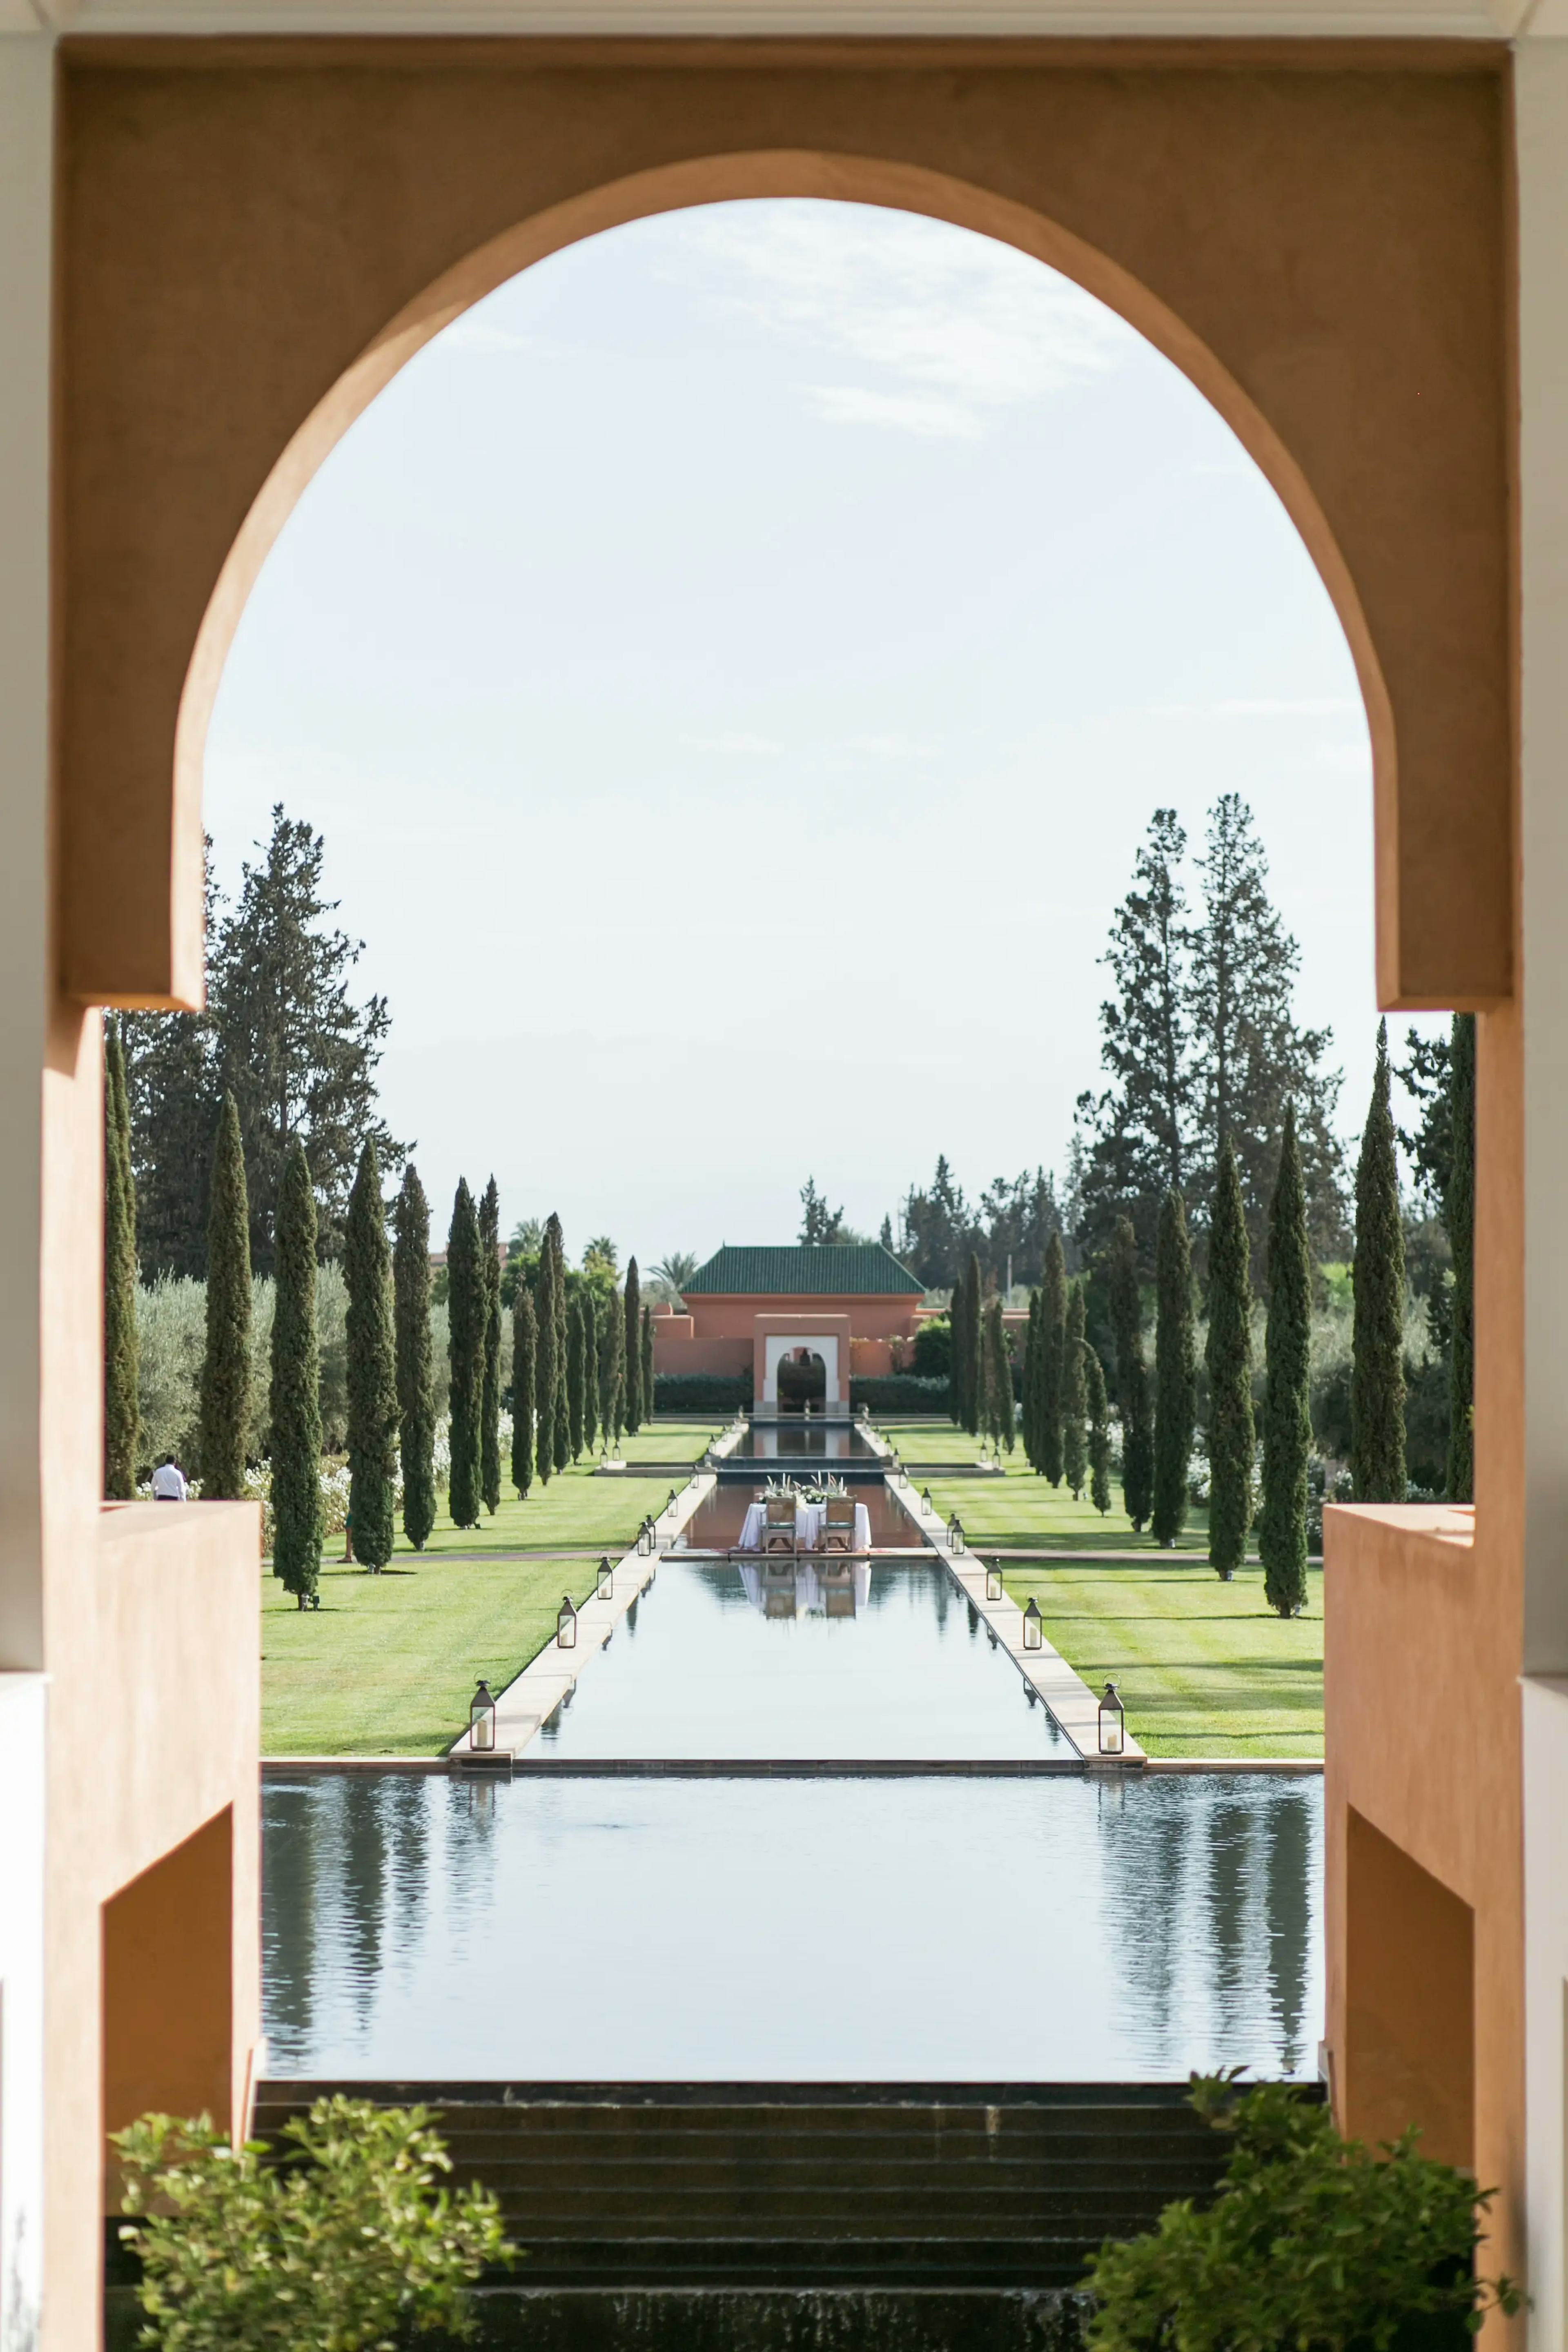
732 668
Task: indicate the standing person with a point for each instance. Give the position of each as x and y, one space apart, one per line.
169 1482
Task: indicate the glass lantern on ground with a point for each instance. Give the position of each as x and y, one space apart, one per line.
994 1580
956 1534
1034 1627
1112 1723
566 1624
606 1585
482 1720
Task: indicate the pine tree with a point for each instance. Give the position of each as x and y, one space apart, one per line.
1174 1366
296 1399
121 1356
1031 1413
554 1242
1053 1353
633 1353
648 1398
574 1371
1287 1420
590 1370
371 1369
1228 1357
1075 1395
973 1373
416 1365
467 1311
1131 1376
1098 1432
225 1367
176 1107
548 1368
1377 1369
613 1370
524 1373
1459 1217
489 1395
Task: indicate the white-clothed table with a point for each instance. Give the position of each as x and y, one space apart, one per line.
810 1520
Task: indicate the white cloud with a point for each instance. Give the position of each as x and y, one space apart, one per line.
964 327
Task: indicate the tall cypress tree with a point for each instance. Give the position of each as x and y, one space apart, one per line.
554 1242
998 1379
296 1386
468 1312
371 1369
1098 1432
1228 1357
122 1357
648 1398
633 1353
574 1371
613 1369
590 1370
1287 1420
547 1361
415 1364
956 1353
973 1350
1175 1349
1075 1395
1053 1346
1131 1376
226 1367
1377 1369
1031 1412
524 1375
1459 1217
489 1395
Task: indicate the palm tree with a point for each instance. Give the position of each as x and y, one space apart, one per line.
676 1268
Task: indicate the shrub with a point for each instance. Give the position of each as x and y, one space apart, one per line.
345 2247
1312 2241
724 1393
899 1392
932 1357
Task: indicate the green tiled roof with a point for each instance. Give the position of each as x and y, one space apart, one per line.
827 1270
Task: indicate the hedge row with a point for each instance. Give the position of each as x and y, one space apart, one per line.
724 1392
899 1392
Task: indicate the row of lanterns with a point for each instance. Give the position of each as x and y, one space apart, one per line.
482 1705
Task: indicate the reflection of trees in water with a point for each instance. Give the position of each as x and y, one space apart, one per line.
1288 1900
406 1810
1230 1826
1144 1840
290 1826
362 1879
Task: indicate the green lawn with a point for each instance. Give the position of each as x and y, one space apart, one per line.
1019 1512
1203 1668
576 1507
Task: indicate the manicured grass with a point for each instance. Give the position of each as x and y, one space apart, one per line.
1019 1512
576 1507
1203 1668
387 1664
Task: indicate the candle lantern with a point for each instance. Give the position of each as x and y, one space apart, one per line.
566 1624
482 1721
1034 1630
994 1580
925 1498
956 1530
607 1580
1112 1723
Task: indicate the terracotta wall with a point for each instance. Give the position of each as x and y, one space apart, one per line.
734 1318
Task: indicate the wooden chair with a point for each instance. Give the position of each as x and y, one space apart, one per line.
778 1524
838 1527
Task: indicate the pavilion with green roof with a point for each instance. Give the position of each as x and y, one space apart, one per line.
847 1303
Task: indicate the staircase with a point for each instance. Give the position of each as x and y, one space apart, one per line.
803 2187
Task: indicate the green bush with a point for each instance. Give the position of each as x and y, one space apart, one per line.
899 1392
1314 2244
933 1351
724 1392
342 2247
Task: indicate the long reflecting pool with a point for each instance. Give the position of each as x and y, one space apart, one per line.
784 1660
1050 1929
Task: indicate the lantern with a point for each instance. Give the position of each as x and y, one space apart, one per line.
955 1529
994 1580
606 1591
670 1504
1034 1630
482 1720
566 1624
925 1500
1112 1723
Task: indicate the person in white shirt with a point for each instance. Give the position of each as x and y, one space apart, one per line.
169 1482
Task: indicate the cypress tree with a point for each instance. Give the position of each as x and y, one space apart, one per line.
468 1310
547 1362
574 1370
1075 1395
555 1243
1228 1357
649 1399
1131 1376
226 1367
1032 1384
490 1396
1286 1421
121 1356
973 1350
1098 1432
1459 1217
371 1369
955 1354
633 1351
416 1365
1053 1345
524 1373
1174 1366
613 1369
1377 1369
998 1371
590 1370
295 1398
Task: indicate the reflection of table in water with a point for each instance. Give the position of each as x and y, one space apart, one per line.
827 1587
810 1518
